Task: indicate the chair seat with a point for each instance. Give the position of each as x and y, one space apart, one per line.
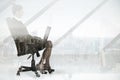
24 48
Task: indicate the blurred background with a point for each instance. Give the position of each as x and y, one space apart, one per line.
85 33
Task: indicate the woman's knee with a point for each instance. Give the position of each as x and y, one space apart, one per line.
49 44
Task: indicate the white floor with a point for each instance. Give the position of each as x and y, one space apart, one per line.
66 68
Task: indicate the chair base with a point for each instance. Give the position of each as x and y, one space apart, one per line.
25 69
32 68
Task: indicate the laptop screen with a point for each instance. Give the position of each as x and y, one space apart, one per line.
47 32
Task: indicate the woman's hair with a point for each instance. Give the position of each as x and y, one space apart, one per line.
16 8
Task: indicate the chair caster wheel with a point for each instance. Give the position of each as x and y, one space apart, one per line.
18 74
37 75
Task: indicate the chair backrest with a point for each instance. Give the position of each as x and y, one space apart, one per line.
18 30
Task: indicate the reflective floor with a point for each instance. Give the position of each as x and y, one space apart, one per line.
66 67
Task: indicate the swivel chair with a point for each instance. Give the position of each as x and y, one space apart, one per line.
24 45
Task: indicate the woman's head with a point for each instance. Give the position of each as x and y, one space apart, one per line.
17 10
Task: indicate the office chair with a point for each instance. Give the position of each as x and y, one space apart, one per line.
23 48
24 43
